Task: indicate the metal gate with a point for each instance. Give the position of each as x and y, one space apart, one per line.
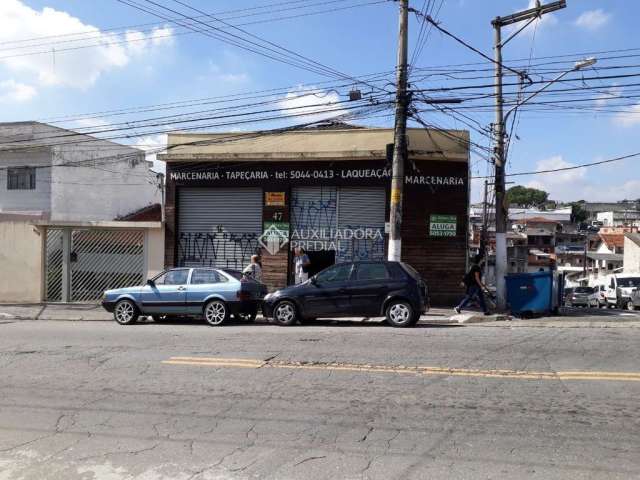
218 227
53 265
84 262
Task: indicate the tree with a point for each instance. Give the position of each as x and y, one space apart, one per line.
526 197
578 213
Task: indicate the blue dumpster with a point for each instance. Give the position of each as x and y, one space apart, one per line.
534 293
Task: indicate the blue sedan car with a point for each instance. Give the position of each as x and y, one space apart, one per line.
211 293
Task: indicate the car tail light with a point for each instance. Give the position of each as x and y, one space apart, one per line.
242 295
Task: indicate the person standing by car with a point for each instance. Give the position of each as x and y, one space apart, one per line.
254 269
474 285
301 264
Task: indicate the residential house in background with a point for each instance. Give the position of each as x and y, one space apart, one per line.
620 218
60 192
50 173
594 208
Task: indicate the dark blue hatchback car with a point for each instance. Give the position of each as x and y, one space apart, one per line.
367 289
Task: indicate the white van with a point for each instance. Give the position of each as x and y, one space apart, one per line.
620 288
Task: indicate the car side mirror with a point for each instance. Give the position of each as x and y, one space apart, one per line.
314 281
151 283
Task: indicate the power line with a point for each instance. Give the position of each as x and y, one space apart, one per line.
563 169
172 123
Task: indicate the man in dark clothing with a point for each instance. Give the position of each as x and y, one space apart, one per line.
474 285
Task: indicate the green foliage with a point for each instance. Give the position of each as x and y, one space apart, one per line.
526 197
578 213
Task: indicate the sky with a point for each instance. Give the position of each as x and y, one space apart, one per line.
156 61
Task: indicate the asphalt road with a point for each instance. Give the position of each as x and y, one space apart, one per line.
83 400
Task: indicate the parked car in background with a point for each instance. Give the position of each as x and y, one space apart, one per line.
634 302
600 295
213 294
566 295
365 289
581 297
620 286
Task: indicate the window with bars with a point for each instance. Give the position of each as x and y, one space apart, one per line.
21 178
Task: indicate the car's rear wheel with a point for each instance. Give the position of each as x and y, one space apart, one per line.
630 306
400 314
285 313
216 312
126 312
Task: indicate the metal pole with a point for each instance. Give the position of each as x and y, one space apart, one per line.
399 139
501 214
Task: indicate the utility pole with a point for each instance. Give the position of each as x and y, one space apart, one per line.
399 138
499 157
485 226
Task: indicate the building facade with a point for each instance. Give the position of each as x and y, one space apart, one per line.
631 258
229 196
48 173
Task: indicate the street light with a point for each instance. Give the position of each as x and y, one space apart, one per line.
587 62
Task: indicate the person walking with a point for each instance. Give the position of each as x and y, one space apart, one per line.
301 263
254 269
475 286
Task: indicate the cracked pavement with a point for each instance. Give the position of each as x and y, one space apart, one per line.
93 400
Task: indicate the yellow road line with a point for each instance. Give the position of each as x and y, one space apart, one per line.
440 371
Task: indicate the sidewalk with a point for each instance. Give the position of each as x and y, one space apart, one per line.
573 318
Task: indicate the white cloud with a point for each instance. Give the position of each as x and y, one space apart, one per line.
559 178
77 68
314 104
630 118
14 92
593 19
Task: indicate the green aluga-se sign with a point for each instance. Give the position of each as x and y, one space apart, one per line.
442 225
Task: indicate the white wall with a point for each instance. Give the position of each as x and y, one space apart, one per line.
20 262
116 183
631 256
606 218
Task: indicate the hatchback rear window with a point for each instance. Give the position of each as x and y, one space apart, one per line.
411 271
583 290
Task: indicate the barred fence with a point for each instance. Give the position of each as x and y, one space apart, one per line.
81 263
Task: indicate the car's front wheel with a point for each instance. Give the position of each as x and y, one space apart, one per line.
126 312
216 312
630 306
285 313
400 314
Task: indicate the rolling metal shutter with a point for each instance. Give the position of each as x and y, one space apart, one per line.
361 219
313 217
218 227
349 220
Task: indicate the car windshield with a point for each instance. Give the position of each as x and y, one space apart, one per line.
583 290
338 273
629 282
